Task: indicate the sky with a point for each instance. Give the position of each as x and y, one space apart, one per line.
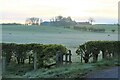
103 11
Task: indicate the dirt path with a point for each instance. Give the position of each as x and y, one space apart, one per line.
107 73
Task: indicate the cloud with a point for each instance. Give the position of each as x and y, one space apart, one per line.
17 9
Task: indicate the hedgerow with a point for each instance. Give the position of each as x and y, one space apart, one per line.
26 51
112 47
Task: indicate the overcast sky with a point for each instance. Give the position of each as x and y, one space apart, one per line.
103 11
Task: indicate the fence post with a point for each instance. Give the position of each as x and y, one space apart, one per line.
57 58
3 64
61 58
35 61
66 58
70 56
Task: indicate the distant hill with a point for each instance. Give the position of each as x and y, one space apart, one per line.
11 24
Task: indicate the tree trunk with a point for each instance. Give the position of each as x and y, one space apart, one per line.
86 59
3 64
29 59
70 58
66 58
103 54
81 58
18 60
95 58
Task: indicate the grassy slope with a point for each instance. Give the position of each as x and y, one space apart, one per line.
34 29
52 29
74 70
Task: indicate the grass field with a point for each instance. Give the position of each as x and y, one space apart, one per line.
55 35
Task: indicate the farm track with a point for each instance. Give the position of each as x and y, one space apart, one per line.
107 73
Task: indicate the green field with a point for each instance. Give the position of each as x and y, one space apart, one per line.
56 35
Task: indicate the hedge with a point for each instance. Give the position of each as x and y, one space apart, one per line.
112 47
22 52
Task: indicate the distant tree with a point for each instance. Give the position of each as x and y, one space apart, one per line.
91 20
113 30
68 19
28 22
58 18
32 21
35 21
118 24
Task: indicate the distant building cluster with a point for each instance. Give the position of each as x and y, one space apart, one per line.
56 21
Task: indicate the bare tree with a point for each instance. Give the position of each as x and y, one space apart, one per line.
28 22
91 20
52 20
35 21
32 21
68 19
